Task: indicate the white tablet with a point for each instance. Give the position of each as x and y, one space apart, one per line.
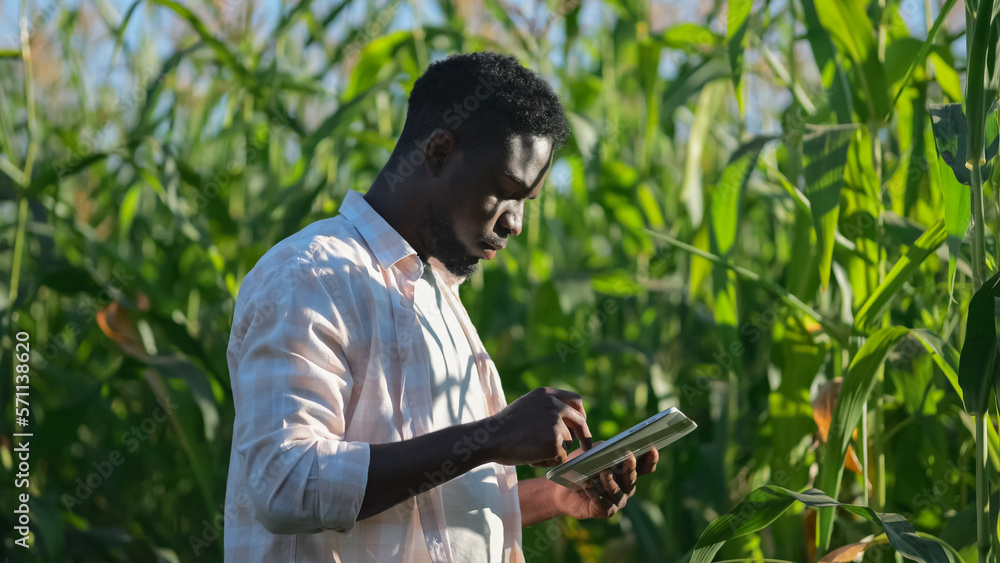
656 431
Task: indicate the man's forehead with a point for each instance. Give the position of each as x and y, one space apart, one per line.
527 158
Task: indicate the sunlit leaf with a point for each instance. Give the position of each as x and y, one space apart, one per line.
832 75
130 203
832 327
690 35
925 46
737 20
766 504
858 385
870 313
708 103
728 194
824 153
980 91
376 60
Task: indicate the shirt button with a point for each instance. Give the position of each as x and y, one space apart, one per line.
415 266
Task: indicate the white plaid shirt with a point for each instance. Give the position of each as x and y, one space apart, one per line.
326 356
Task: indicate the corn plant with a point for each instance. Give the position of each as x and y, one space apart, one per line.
761 218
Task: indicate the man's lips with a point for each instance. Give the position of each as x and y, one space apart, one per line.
489 251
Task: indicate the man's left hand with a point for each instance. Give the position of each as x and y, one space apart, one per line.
606 493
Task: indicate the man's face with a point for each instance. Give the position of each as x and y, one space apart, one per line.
480 201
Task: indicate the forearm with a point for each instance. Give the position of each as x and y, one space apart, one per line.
400 470
537 499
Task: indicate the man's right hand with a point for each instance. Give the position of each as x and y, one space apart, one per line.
537 428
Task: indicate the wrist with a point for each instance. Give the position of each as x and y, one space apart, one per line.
489 441
481 437
558 496
541 500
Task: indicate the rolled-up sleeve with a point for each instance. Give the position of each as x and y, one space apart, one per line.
291 384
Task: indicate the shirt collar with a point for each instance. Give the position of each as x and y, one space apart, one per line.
386 244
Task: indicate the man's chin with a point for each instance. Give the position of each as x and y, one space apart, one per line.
462 268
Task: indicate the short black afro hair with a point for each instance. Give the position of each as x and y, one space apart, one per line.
480 97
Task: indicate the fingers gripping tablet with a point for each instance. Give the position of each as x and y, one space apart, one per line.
656 431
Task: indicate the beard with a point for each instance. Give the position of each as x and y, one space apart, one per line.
438 231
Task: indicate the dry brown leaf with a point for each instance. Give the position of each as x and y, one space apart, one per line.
846 554
823 405
117 325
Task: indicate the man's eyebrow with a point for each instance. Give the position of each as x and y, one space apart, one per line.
524 185
518 181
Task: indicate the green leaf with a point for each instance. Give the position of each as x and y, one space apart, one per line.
833 327
978 84
690 35
225 55
943 354
766 504
175 366
52 173
737 20
957 209
848 26
870 314
129 205
857 387
852 32
376 62
951 132
729 192
708 105
824 152
924 48
616 283
978 364
833 76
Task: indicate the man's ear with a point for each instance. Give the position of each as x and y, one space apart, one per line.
438 148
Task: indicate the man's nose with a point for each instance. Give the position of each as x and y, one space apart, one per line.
510 221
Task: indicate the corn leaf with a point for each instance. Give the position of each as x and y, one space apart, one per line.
925 47
225 55
857 387
832 327
833 76
870 313
978 364
691 35
825 156
978 84
766 504
377 62
951 133
852 32
943 354
737 20
708 104
729 192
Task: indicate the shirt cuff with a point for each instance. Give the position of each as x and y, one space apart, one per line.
343 470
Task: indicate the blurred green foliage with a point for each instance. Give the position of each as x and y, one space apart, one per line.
724 256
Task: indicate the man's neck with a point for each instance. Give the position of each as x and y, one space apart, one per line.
400 208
